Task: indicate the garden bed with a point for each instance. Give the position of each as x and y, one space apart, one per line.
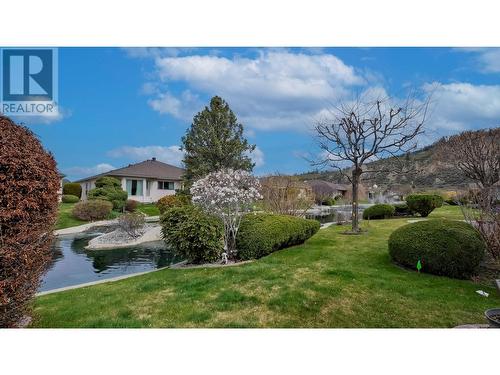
330 281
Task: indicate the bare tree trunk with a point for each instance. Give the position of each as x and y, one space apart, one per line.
356 177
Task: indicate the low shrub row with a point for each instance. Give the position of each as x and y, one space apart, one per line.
261 234
444 247
379 211
169 201
401 209
91 210
422 204
68 198
72 188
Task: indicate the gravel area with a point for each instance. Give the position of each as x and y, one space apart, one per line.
119 238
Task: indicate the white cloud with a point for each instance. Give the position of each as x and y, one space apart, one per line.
257 157
88 171
62 114
460 106
183 108
487 58
490 59
275 90
170 154
153 52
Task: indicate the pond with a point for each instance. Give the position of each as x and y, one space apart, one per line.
329 214
72 264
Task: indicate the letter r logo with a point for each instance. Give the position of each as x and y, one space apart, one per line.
27 74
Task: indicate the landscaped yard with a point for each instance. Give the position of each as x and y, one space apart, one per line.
333 280
150 209
65 219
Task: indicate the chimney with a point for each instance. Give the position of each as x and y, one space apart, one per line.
154 159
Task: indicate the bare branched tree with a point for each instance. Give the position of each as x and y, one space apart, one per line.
482 210
476 154
362 131
286 195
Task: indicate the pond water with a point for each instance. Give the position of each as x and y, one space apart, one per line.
72 264
335 213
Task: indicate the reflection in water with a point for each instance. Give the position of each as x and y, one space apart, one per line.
72 264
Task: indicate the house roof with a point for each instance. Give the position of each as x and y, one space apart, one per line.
145 169
326 185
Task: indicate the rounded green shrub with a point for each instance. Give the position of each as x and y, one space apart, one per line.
261 234
378 211
169 201
68 198
401 209
193 234
109 189
328 202
96 209
444 247
72 188
131 205
108 181
423 204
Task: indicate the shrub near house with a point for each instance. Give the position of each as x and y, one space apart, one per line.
96 209
68 198
109 189
72 188
170 201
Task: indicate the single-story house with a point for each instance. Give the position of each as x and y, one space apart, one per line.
325 189
144 182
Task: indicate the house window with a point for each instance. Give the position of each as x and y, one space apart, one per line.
134 187
165 185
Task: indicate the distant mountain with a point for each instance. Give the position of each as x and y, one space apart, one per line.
423 169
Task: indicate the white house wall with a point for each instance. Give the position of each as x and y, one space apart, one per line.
154 194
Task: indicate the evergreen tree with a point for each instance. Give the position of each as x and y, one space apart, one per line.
214 142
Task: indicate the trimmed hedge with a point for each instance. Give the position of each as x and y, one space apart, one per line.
401 209
169 201
193 234
261 234
444 247
96 209
423 204
72 188
131 205
68 198
109 189
379 211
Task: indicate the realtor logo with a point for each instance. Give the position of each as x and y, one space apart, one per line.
29 82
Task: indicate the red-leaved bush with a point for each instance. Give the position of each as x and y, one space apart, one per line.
29 182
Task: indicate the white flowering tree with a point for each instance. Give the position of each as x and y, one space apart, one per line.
228 194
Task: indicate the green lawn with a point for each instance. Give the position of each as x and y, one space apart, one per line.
333 280
65 219
149 209
447 212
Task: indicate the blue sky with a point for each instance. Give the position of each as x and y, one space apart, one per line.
121 106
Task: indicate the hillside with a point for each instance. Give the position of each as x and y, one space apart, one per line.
424 169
